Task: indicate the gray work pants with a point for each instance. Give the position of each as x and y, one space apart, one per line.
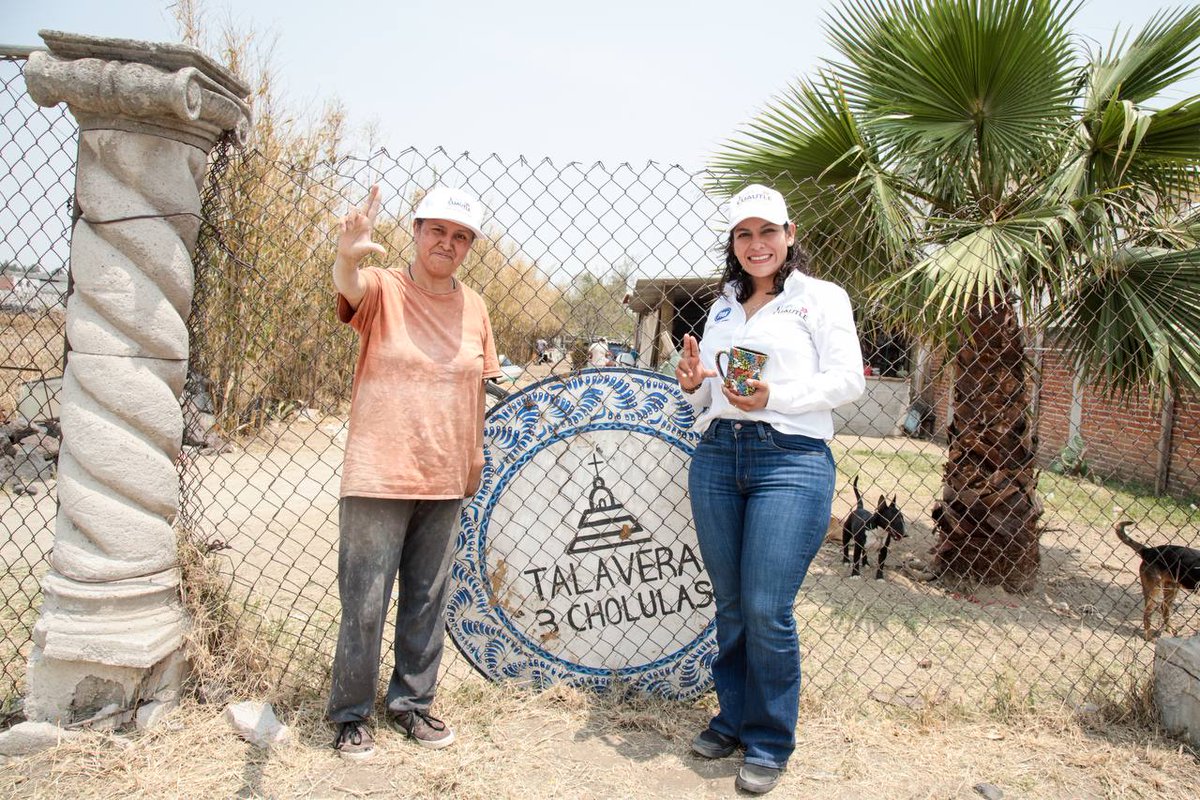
380 539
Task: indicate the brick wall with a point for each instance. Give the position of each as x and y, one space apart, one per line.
1054 399
939 393
1121 436
1184 477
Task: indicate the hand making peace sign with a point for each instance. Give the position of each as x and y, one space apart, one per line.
689 371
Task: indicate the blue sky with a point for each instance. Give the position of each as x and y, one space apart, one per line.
618 81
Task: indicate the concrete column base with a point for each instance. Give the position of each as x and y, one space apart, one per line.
96 645
63 692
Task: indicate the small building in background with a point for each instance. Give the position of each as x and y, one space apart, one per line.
666 309
32 289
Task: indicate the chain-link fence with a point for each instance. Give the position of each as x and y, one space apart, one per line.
37 176
577 559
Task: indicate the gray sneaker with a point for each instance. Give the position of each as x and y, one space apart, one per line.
428 731
757 779
710 744
354 741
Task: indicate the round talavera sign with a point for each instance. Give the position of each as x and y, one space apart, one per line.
577 559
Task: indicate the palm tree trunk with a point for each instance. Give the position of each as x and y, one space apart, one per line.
987 519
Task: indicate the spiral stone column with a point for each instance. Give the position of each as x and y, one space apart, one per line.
111 628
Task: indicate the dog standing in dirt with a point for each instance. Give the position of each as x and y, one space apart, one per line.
1163 571
871 531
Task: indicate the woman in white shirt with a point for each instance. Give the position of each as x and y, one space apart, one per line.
762 477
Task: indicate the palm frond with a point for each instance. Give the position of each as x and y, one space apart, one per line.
1170 229
808 132
1145 161
1173 134
981 85
1134 321
973 264
1164 53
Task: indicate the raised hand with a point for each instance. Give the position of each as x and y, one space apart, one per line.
690 372
354 231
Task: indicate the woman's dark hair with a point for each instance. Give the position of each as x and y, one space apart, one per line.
796 261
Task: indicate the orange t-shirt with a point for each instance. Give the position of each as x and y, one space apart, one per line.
414 405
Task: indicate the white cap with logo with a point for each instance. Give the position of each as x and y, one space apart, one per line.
759 201
455 205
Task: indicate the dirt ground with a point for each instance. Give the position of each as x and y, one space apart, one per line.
32 347
560 744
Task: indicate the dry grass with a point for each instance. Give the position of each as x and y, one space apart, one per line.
31 346
20 596
226 658
562 744
26 533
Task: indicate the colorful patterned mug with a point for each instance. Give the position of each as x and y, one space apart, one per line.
742 365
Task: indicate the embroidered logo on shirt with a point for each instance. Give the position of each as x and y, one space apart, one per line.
799 311
722 314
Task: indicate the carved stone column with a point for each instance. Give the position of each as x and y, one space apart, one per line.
111 627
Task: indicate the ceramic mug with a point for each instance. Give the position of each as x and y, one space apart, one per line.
742 364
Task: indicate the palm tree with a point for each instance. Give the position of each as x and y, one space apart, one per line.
981 177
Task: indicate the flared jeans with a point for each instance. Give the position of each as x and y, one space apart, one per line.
761 501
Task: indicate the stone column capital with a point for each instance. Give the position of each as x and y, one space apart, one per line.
169 90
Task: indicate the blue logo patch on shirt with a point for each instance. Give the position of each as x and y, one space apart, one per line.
722 314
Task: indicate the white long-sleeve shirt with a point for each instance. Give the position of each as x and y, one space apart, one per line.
814 362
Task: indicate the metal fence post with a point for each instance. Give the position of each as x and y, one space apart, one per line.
111 626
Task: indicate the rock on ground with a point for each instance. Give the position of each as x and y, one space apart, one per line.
256 723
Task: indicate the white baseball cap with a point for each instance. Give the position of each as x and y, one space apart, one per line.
455 205
759 201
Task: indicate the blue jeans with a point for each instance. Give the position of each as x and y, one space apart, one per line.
761 502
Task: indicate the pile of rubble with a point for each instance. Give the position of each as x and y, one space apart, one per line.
28 455
29 450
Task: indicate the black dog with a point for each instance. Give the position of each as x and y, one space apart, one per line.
871 532
1164 570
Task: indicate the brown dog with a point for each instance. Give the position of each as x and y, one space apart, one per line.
1163 571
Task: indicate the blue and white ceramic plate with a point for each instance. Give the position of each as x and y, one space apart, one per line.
577 559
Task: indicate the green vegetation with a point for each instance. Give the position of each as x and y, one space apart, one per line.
265 331
976 175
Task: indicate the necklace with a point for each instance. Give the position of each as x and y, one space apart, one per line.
453 283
